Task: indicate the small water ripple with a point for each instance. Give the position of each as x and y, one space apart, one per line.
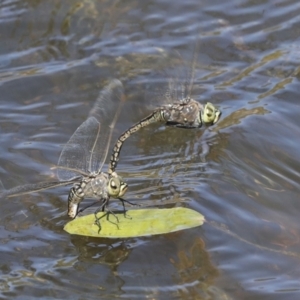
242 174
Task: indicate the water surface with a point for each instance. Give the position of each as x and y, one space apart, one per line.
242 174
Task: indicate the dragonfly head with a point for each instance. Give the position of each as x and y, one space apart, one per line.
210 114
117 187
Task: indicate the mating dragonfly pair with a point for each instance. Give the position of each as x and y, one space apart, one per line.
82 158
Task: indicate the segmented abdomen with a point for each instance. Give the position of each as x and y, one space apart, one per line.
156 116
76 195
185 114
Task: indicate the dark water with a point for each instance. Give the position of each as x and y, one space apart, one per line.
242 174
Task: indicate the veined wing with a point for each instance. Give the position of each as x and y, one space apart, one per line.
180 110
36 187
178 88
106 110
88 146
173 84
181 80
77 152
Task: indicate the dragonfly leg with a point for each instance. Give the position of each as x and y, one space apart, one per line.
187 126
112 213
123 203
124 210
97 219
131 203
107 213
87 206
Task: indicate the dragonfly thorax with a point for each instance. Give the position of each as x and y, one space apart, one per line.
95 186
101 186
89 187
183 114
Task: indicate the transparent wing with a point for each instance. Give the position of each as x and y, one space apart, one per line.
173 84
77 152
106 110
31 188
88 147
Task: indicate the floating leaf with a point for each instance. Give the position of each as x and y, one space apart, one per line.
140 222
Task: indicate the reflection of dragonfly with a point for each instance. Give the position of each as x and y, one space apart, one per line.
82 158
182 111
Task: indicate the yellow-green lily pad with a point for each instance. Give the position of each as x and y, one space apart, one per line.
139 222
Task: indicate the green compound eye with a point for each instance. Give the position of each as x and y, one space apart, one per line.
117 187
210 114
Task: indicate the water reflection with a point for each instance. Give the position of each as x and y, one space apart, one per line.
193 272
242 174
237 116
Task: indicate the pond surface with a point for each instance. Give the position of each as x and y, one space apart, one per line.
242 174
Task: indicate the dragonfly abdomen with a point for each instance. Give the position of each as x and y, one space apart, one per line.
76 195
156 116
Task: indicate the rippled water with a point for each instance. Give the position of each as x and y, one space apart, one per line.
242 174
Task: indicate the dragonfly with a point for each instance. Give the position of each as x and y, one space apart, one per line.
181 111
82 158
